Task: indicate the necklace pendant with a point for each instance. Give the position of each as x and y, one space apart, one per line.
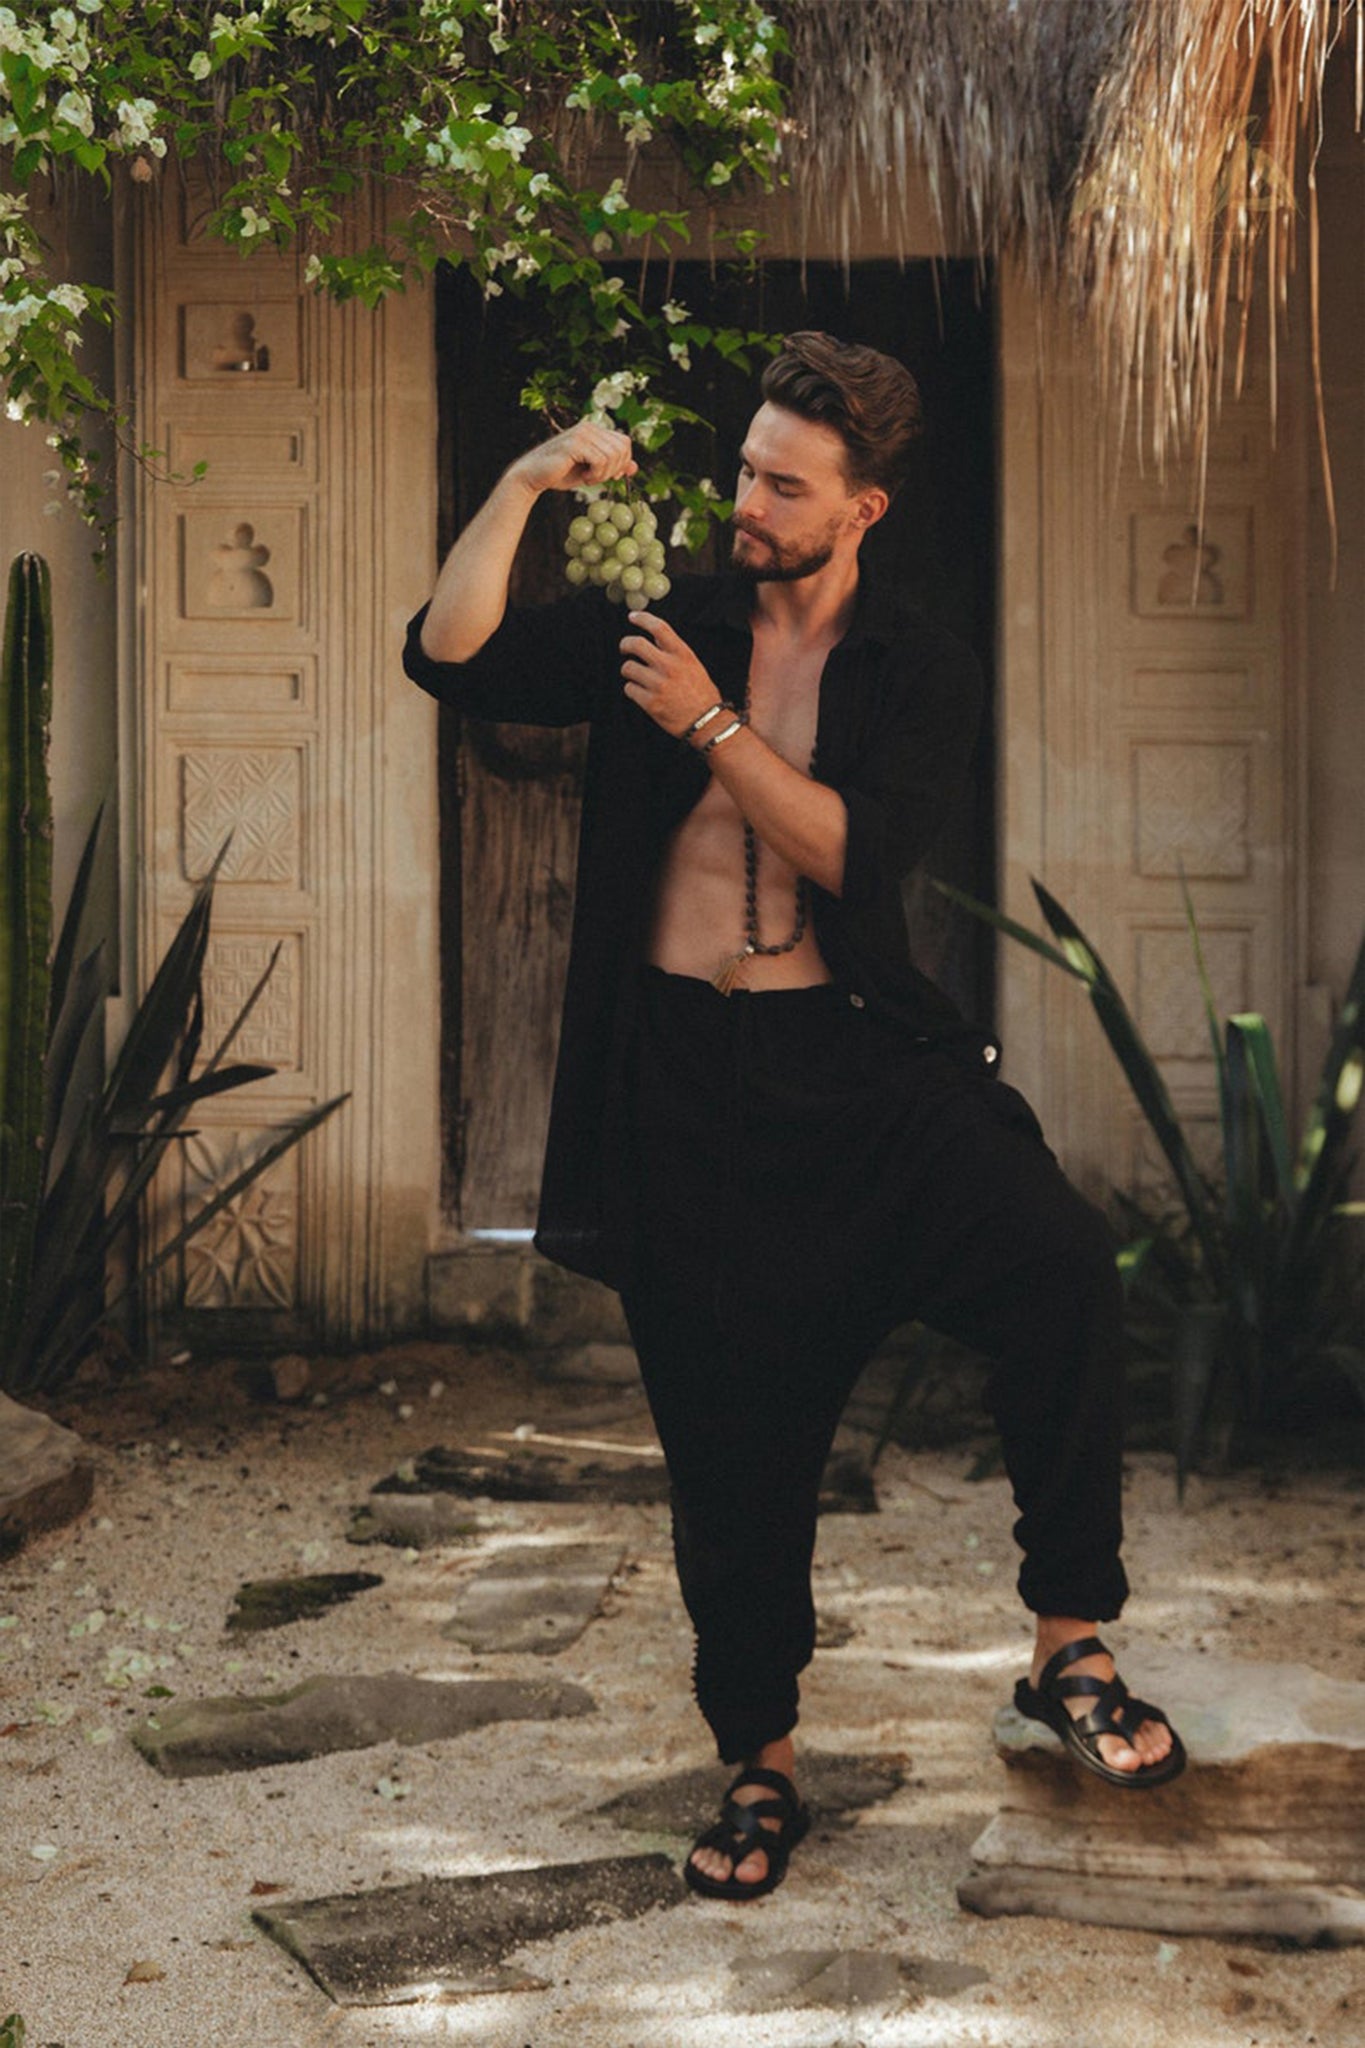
731 972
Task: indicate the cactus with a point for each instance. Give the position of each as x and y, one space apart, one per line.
25 925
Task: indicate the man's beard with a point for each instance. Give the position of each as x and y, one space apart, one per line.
777 567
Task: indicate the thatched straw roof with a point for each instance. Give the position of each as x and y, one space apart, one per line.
1138 156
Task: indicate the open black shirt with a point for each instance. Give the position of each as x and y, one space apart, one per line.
900 700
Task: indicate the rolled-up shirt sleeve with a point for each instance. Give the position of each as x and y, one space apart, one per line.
546 665
913 770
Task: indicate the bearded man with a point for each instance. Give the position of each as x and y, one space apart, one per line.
769 1132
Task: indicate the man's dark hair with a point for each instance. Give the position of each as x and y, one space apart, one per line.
869 399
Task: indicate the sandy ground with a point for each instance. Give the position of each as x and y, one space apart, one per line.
111 1870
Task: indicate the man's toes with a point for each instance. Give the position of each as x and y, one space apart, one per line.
714 1864
1154 1741
1120 1754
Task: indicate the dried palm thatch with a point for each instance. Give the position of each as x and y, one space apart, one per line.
1136 156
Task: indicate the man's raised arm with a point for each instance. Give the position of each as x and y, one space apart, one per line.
470 598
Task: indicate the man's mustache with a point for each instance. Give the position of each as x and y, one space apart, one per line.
754 532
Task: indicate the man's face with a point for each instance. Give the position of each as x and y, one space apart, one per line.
794 510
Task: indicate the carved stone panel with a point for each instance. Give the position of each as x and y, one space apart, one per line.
240 688
247 345
255 796
1190 689
1180 573
1170 1005
246 1256
263 452
234 963
244 568
1192 807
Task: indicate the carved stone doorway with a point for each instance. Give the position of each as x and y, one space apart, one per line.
509 797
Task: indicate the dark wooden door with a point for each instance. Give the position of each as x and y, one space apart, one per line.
510 797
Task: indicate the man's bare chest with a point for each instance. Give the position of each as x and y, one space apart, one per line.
784 698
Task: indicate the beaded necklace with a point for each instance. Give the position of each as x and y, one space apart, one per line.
731 971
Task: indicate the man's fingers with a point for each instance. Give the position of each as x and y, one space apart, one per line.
602 451
663 634
585 454
643 650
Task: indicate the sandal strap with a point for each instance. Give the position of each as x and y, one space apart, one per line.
740 1829
771 1781
1069 1654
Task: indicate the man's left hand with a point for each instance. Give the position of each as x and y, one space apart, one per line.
663 676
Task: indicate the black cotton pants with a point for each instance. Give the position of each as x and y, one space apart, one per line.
807 1179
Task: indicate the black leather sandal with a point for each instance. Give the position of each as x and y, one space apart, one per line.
740 1831
1115 1712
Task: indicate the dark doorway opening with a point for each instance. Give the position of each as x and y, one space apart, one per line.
509 797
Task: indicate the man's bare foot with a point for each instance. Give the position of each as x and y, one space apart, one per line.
753 1868
1152 1742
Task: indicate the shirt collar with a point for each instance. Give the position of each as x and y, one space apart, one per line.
875 611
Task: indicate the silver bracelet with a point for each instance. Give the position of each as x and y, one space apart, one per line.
713 712
719 739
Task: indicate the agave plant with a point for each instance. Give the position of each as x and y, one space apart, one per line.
1263 1289
79 1161
102 1152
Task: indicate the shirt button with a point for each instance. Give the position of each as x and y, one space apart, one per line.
858 1002
990 1054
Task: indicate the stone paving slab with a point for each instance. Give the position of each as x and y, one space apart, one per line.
530 1475
825 1978
533 1474
449 1936
199 1738
1263 1834
273 1603
537 1597
843 1980
46 1475
414 1521
679 1804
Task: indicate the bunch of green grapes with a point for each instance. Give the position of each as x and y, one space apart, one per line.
612 543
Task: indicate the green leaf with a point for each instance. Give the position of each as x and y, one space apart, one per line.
1206 987
69 937
161 1020
1008 925
1139 1067
1253 1035
287 1135
205 1084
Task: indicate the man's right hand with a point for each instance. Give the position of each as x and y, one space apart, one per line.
471 591
583 454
